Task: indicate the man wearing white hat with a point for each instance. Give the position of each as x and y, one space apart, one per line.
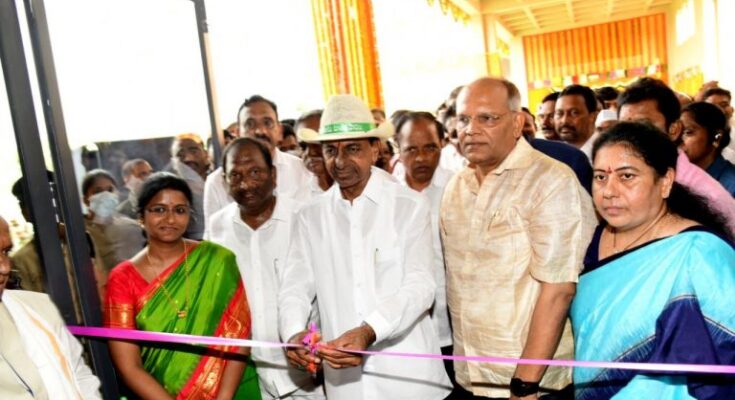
363 249
605 120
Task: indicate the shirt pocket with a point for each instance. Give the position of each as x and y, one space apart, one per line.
505 242
388 270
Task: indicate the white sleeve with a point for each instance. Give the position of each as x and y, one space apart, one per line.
296 292
396 314
87 381
215 195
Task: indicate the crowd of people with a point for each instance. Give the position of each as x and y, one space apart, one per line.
599 229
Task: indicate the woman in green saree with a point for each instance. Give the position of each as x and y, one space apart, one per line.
180 286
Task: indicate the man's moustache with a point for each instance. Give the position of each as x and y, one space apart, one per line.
264 138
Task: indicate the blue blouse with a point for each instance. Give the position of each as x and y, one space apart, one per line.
724 172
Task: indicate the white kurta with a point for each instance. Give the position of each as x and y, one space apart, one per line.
451 160
434 192
587 146
260 253
292 180
369 261
29 329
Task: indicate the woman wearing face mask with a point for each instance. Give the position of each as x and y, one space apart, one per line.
706 133
114 236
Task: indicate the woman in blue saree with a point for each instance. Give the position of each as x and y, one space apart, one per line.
659 278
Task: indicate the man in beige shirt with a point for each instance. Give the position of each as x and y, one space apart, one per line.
515 225
39 358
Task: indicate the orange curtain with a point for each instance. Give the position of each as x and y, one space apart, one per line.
348 58
604 52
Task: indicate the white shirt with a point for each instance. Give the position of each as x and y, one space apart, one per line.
260 253
587 146
314 188
292 180
195 229
434 192
451 160
364 266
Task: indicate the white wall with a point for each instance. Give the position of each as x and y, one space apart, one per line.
518 68
424 54
726 52
132 69
703 48
265 47
127 70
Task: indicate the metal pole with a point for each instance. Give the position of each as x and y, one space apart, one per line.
70 203
28 141
218 138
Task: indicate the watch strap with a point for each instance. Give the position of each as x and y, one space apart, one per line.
522 388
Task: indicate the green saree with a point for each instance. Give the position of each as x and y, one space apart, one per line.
201 294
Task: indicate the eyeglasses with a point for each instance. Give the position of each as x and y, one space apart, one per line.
161 211
484 120
267 123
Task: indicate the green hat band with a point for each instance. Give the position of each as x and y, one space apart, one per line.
347 127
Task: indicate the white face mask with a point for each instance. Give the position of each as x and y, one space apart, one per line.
103 204
134 184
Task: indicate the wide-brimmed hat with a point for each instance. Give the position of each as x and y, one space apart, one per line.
346 117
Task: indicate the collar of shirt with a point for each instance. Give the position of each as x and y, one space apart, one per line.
717 167
519 158
372 190
278 158
438 180
314 185
282 213
587 146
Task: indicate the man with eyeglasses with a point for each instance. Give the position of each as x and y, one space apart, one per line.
258 118
515 225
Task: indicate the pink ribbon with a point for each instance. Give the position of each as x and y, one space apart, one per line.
165 337
310 340
144 336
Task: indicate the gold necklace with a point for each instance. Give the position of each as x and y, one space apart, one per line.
648 229
180 312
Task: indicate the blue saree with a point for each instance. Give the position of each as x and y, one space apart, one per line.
669 301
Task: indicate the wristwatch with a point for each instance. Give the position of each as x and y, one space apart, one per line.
521 388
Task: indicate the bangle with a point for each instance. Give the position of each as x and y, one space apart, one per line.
520 388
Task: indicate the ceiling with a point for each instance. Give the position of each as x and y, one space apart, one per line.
528 17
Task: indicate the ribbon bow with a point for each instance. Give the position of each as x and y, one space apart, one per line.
311 341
